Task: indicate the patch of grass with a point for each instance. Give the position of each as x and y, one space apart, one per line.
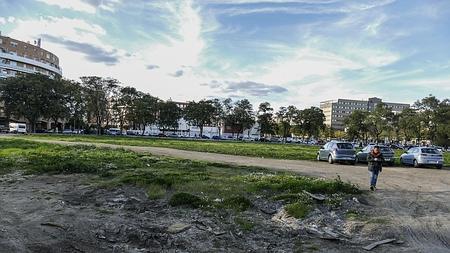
238 203
334 200
198 184
255 149
296 184
244 224
186 199
354 215
298 210
155 191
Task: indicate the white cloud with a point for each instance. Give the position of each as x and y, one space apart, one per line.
77 5
2 21
88 6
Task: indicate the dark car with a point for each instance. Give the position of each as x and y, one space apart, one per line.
337 151
387 152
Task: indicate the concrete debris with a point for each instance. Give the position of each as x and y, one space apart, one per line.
318 197
178 228
376 244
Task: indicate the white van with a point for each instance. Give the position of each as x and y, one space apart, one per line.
18 128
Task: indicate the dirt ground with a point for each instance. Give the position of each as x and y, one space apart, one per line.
68 214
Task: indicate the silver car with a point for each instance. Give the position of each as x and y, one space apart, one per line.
337 151
419 156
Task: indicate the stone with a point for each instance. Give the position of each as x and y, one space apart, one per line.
178 228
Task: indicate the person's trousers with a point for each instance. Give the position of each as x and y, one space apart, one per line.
373 177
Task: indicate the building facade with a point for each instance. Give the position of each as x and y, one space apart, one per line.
18 57
336 111
23 57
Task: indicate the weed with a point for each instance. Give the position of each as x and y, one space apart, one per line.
186 199
155 191
244 224
237 203
298 210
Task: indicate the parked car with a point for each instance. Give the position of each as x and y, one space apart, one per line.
17 128
216 137
387 152
396 146
337 151
113 131
67 131
419 156
205 137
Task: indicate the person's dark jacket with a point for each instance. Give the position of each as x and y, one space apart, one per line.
375 162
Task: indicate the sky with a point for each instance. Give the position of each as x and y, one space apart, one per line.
286 52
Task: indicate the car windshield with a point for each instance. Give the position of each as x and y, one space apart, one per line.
430 151
22 126
344 146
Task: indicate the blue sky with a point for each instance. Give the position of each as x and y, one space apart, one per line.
286 52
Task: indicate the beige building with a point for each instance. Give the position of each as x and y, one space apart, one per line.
337 110
23 57
18 57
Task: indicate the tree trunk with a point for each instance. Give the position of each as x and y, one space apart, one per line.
201 131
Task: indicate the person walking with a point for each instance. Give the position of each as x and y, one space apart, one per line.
375 161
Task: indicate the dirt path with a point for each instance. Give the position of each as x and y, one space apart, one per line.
414 203
392 178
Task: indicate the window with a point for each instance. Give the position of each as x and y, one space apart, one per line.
13 44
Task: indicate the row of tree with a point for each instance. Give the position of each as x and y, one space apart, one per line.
97 103
428 118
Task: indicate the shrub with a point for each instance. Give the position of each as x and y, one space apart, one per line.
186 199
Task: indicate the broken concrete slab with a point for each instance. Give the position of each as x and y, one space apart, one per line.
376 244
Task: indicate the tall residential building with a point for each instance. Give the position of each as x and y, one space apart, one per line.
23 57
18 57
337 110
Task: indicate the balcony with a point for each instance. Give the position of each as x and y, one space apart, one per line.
27 61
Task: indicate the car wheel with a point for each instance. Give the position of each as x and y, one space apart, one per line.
439 166
416 164
353 163
330 159
318 157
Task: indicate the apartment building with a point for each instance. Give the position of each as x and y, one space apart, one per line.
23 57
337 110
18 57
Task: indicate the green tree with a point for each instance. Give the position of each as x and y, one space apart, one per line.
285 117
265 119
26 96
58 104
169 114
200 113
378 120
311 121
76 103
239 116
98 97
356 125
146 110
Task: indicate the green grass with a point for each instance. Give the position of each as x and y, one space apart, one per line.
254 149
298 210
182 183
